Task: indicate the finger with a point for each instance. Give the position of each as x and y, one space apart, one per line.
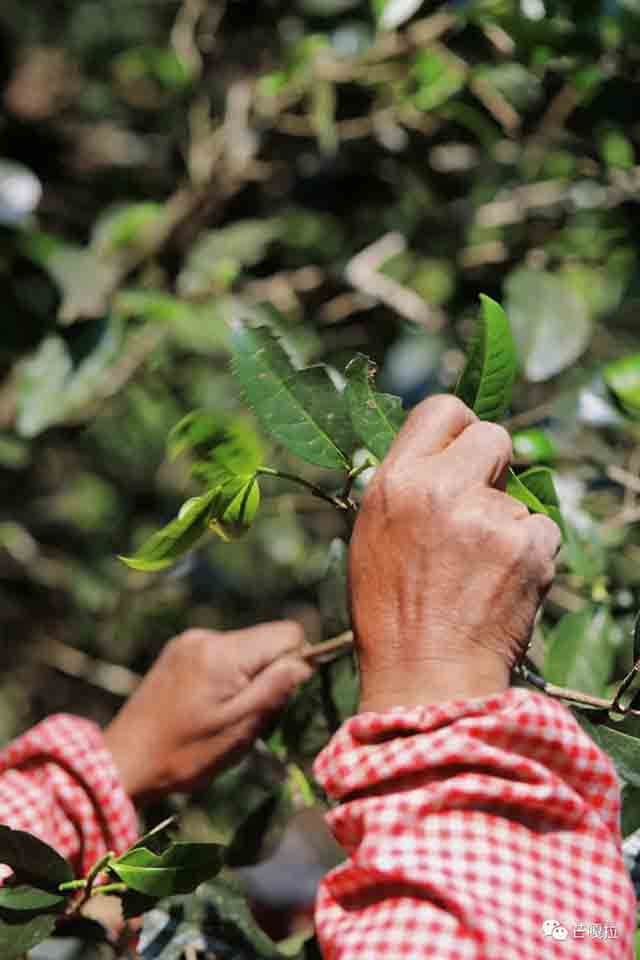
268 691
259 646
545 535
479 455
432 426
499 505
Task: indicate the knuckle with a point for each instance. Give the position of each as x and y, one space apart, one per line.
291 631
444 408
291 671
447 407
496 437
388 488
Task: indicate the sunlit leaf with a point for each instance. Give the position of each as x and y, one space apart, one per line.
534 445
180 869
303 410
487 379
55 387
224 447
235 507
169 544
550 321
622 377
580 653
536 489
376 417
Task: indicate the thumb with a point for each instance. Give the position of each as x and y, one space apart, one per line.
269 690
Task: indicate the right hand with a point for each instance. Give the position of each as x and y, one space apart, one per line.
201 705
447 571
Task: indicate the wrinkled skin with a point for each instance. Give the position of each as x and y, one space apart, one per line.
447 571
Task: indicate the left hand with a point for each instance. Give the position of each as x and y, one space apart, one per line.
202 704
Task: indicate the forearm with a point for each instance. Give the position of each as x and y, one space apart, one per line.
467 825
58 781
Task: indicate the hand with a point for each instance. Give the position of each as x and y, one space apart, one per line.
446 570
202 704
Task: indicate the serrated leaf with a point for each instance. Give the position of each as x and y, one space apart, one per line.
169 544
487 379
536 489
550 322
180 869
16 939
301 409
32 860
579 652
376 417
623 380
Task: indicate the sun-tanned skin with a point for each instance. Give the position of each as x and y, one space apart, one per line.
447 570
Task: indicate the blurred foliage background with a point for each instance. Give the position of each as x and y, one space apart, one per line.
357 174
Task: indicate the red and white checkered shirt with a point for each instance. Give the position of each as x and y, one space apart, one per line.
58 781
484 829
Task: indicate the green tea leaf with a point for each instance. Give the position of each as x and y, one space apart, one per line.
25 898
53 387
32 860
376 417
622 377
630 819
534 445
301 409
487 379
579 652
550 321
17 938
225 447
169 544
536 489
235 507
180 869
623 749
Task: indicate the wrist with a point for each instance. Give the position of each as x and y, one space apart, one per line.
435 682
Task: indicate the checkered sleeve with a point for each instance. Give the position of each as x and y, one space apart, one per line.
58 781
484 829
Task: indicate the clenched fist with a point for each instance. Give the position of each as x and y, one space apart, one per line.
447 571
202 704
